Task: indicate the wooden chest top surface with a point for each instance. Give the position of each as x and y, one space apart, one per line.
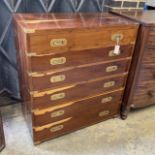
69 21
144 17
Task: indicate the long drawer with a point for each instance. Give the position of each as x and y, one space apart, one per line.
144 95
73 109
48 80
76 58
80 40
87 89
74 123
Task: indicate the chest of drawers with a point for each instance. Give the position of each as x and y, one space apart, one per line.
141 83
70 76
2 141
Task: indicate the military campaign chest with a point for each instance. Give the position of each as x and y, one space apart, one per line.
2 140
72 72
140 91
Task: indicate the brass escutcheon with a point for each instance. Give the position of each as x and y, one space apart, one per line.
57 96
109 84
112 54
56 128
58 42
117 36
111 68
58 61
107 99
57 78
57 113
104 113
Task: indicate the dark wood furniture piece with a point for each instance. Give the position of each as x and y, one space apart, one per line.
140 91
2 140
70 74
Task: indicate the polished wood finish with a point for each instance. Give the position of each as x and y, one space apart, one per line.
83 90
80 74
68 66
76 58
46 116
141 81
2 140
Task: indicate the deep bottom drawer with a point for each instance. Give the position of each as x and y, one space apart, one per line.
144 95
70 124
73 109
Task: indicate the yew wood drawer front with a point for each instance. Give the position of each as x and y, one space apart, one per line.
74 123
79 74
77 92
73 109
145 94
76 58
147 73
84 39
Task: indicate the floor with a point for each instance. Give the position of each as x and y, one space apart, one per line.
134 136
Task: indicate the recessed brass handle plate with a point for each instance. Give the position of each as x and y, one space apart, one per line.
117 37
112 54
58 42
111 68
57 96
57 113
104 113
109 84
56 128
57 78
106 99
58 61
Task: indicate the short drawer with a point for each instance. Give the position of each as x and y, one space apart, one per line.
77 92
80 40
70 124
76 58
73 109
47 80
144 95
147 73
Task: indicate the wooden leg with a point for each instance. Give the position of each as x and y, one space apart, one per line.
124 112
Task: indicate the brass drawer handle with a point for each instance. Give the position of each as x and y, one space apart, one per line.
57 113
58 42
58 61
57 78
112 54
56 128
104 113
106 99
109 84
57 96
111 68
117 37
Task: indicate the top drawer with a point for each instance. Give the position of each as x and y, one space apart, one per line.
73 40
